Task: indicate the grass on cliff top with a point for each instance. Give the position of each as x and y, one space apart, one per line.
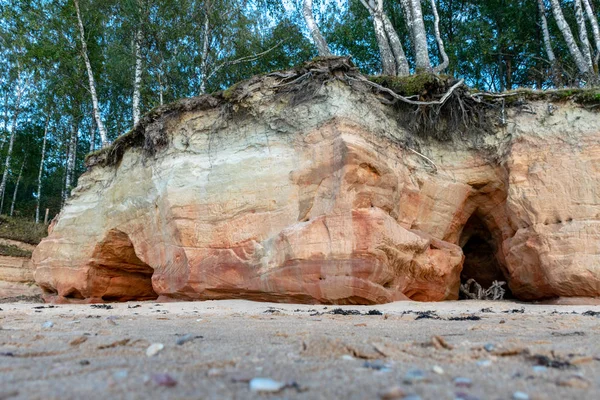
21 229
13 251
423 84
587 97
414 85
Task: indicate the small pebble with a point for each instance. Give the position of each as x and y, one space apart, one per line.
393 393
348 357
377 365
463 382
163 380
412 397
539 368
154 349
84 362
47 324
414 375
484 363
489 347
77 341
520 396
186 338
438 370
266 385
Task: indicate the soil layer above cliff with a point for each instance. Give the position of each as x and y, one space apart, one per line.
431 106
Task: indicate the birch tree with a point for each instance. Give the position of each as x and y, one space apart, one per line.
38 196
71 158
563 26
583 36
388 61
548 45
91 81
595 28
393 58
137 80
206 38
13 132
422 60
408 17
320 42
546 33
438 37
402 67
14 198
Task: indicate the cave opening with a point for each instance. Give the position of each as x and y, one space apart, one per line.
117 272
481 264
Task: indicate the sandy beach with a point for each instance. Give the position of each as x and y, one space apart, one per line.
214 349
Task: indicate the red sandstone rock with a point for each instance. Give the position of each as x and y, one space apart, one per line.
320 203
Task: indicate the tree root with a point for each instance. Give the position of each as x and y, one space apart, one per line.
473 290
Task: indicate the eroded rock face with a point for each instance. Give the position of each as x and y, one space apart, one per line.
325 202
16 275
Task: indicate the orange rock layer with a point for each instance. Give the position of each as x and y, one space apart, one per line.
330 208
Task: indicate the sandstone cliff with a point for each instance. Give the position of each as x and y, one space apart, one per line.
16 272
305 186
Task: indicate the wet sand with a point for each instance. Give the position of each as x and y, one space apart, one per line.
497 350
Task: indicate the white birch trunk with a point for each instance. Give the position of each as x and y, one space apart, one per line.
438 37
546 33
408 18
14 198
580 62
583 36
92 137
11 141
71 161
595 28
6 118
315 33
402 67
161 86
205 48
420 37
40 172
92 83
137 80
388 61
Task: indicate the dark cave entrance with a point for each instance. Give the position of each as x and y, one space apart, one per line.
481 263
118 274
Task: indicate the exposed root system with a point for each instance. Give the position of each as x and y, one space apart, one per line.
429 106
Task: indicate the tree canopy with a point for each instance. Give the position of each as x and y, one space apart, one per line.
76 74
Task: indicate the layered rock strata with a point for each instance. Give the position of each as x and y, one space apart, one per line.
16 274
328 198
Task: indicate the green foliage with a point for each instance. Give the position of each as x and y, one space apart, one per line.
13 251
415 85
22 229
494 45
